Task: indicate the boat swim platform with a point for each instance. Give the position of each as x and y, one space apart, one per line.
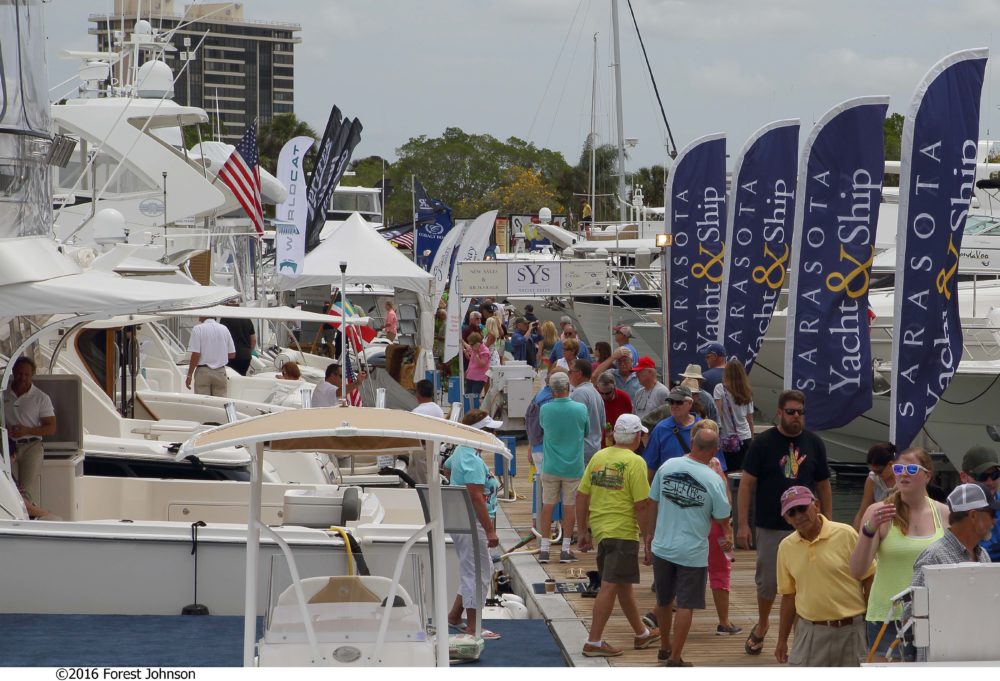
34 640
569 613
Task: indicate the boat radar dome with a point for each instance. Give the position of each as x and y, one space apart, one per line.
545 215
143 27
155 80
109 227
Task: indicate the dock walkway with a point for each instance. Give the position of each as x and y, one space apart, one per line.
703 647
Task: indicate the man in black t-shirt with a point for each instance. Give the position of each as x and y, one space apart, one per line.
245 339
785 456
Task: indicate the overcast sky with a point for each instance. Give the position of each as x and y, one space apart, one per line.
523 67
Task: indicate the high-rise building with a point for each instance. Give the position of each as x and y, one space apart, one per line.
241 68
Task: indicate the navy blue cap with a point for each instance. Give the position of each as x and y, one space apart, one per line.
717 348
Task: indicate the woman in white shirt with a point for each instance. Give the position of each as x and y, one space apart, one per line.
734 403
570 348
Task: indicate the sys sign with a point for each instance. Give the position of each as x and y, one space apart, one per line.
534 279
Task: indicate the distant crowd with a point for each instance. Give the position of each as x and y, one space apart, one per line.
634 464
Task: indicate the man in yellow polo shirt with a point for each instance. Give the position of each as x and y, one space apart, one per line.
818 594
611 502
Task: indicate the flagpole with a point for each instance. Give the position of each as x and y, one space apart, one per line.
416 233
345 356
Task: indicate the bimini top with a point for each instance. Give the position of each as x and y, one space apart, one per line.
342 430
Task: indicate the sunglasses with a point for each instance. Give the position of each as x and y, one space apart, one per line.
795 510
607 393
908 468
794 412
676 403
988 475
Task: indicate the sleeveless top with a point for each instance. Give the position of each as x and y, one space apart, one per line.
879 489
896 555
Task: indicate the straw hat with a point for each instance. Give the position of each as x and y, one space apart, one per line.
693 371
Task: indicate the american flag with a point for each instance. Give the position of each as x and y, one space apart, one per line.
354 339
241 174
404 241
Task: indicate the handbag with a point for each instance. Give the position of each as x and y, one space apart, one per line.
730 443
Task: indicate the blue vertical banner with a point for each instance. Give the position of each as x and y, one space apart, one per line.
827 339
758 237
695 213
938 171
433 222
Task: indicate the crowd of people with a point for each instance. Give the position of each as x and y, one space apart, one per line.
835 580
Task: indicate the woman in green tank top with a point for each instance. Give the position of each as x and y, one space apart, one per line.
895 532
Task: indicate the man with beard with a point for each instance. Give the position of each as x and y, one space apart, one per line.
785 456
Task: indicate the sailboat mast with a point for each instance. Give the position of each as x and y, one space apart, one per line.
593 145
618 106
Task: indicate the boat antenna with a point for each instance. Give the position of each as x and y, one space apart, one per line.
670 136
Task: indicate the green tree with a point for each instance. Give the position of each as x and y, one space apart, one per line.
651 180
893 135
271 137
524 192
606 184
462 169
190 133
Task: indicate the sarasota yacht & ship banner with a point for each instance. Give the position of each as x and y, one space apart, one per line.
827 337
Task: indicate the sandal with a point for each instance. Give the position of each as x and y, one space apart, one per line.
754 644
484 634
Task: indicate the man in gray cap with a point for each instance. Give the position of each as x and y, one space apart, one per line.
972 522
982 465
623 337
672 436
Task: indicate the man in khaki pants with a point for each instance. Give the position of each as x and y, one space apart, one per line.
211 347
29 417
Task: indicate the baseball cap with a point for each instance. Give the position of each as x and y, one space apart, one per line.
520 320
972 497
624 330
630 423
645 362
679 392
487 422
716 348
979 459
796 496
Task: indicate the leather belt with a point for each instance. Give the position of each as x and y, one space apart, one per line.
836 624
26 440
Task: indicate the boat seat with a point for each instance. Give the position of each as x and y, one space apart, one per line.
345 589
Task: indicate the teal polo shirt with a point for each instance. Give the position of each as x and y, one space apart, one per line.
564 423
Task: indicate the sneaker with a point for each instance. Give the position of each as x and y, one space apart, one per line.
543 556
567 556
731 630
678 663
603 650
643 642
649 619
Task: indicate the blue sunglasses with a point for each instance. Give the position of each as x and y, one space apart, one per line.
908 468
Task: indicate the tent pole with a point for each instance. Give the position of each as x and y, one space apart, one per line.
253 551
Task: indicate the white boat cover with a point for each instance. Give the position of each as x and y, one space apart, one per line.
355 431
91 292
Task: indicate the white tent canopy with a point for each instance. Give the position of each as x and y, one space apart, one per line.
370 259
281 313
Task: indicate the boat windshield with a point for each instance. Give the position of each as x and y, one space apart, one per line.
343 202
982 225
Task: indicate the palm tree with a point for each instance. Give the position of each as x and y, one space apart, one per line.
271 137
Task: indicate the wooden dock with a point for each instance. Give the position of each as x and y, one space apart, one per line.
703 647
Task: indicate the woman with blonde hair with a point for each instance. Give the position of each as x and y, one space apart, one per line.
734 404
549 339
478 357
570 347
895 532
494 339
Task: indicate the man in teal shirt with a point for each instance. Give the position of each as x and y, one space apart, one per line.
565 424
689 496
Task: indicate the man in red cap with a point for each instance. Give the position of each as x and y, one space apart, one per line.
651 393
818 594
